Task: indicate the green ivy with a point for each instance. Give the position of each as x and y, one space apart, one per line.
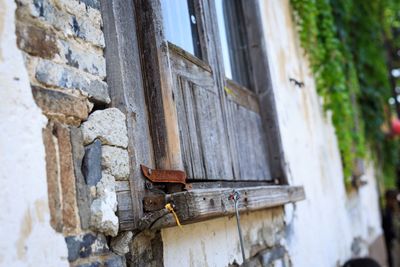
345 44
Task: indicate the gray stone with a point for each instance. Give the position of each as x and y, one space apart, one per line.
53 74
65 107
83 246
116 161
115 261
83 26
92 163
36 41
254 262
103 218
108 126
90 264
103 208
88 9
106 189
44 10
83 192
92 3
120 244
269 256
83 59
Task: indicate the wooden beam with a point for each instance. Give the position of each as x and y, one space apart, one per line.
196 205
263 87
158 85
204 204
124 78
243 96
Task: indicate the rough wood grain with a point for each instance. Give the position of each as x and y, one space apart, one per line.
203 204
263 87
158 85
204 147
124 78
251 146
242 96
228 184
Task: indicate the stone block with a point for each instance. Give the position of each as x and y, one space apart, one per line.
272 255
89 10
70 25
85 245
115 160
92 3
120 244
83 192
46 12
37 41
83 58
103 208
106 189
103 218
53 181
108 126
62 106
53 74
86 30
92 163
94 263
70 214
115 261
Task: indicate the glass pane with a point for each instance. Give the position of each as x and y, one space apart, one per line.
232 31
180 25
223 38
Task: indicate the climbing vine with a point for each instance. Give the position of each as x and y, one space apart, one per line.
346 43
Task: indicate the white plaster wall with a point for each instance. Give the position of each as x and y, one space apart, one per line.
26 236
216 242
321 229
325 224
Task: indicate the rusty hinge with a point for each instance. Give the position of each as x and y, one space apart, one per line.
166 176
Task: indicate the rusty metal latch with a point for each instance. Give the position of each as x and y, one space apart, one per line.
165 176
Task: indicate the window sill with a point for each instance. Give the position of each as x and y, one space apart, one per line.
204 204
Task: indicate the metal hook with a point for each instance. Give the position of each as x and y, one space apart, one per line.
235 196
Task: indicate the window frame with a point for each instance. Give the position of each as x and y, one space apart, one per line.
140 84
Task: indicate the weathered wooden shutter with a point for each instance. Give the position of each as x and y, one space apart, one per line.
203 137
248 139
212 133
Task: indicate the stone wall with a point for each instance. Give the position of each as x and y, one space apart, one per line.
85 139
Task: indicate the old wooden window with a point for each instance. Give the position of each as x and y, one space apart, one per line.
204 104
233 40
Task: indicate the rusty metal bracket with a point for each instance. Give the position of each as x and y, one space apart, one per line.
166 176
